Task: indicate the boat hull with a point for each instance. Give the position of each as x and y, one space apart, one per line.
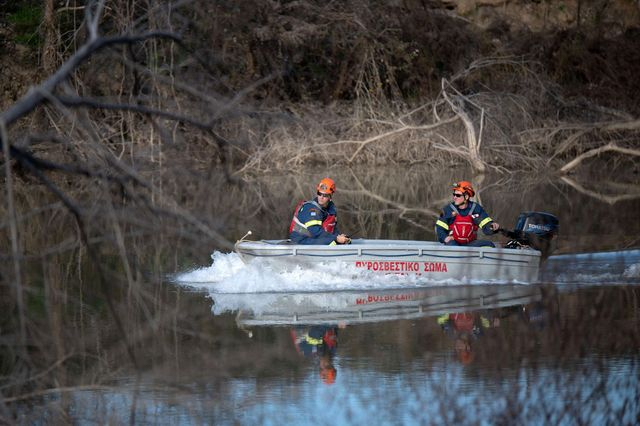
418 258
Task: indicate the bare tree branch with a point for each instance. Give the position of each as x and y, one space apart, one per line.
97 104
473 141
35 96
403 128
611 146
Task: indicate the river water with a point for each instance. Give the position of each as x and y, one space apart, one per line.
222 342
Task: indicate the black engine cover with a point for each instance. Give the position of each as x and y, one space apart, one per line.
535 229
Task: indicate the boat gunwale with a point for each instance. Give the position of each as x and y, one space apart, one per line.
414 248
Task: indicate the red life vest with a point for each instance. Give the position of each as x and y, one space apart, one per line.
328 224
464 229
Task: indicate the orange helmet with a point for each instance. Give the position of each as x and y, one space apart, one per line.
327 186
464 187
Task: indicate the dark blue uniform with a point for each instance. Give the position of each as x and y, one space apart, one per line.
480 218
308 228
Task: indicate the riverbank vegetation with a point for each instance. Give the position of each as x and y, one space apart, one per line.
271 86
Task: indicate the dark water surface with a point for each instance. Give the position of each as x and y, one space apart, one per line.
537 354
563 351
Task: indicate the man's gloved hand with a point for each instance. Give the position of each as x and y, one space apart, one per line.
343 239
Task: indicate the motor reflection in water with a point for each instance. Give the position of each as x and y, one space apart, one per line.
464 314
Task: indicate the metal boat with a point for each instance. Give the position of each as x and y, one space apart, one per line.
416 258
518 261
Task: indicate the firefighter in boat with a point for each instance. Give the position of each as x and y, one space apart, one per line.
460 220
316 221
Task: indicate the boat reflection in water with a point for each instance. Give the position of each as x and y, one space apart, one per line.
355 307
316 318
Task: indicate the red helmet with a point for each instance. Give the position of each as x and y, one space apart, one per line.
327 186
464 187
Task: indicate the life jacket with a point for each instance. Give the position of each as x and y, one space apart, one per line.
463 229
328 224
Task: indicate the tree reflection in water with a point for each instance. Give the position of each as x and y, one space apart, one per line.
560 352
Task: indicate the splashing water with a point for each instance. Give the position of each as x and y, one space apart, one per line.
229 274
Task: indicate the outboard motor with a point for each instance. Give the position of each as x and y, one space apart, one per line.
537 230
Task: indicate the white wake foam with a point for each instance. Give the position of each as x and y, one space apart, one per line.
632 271
229 274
